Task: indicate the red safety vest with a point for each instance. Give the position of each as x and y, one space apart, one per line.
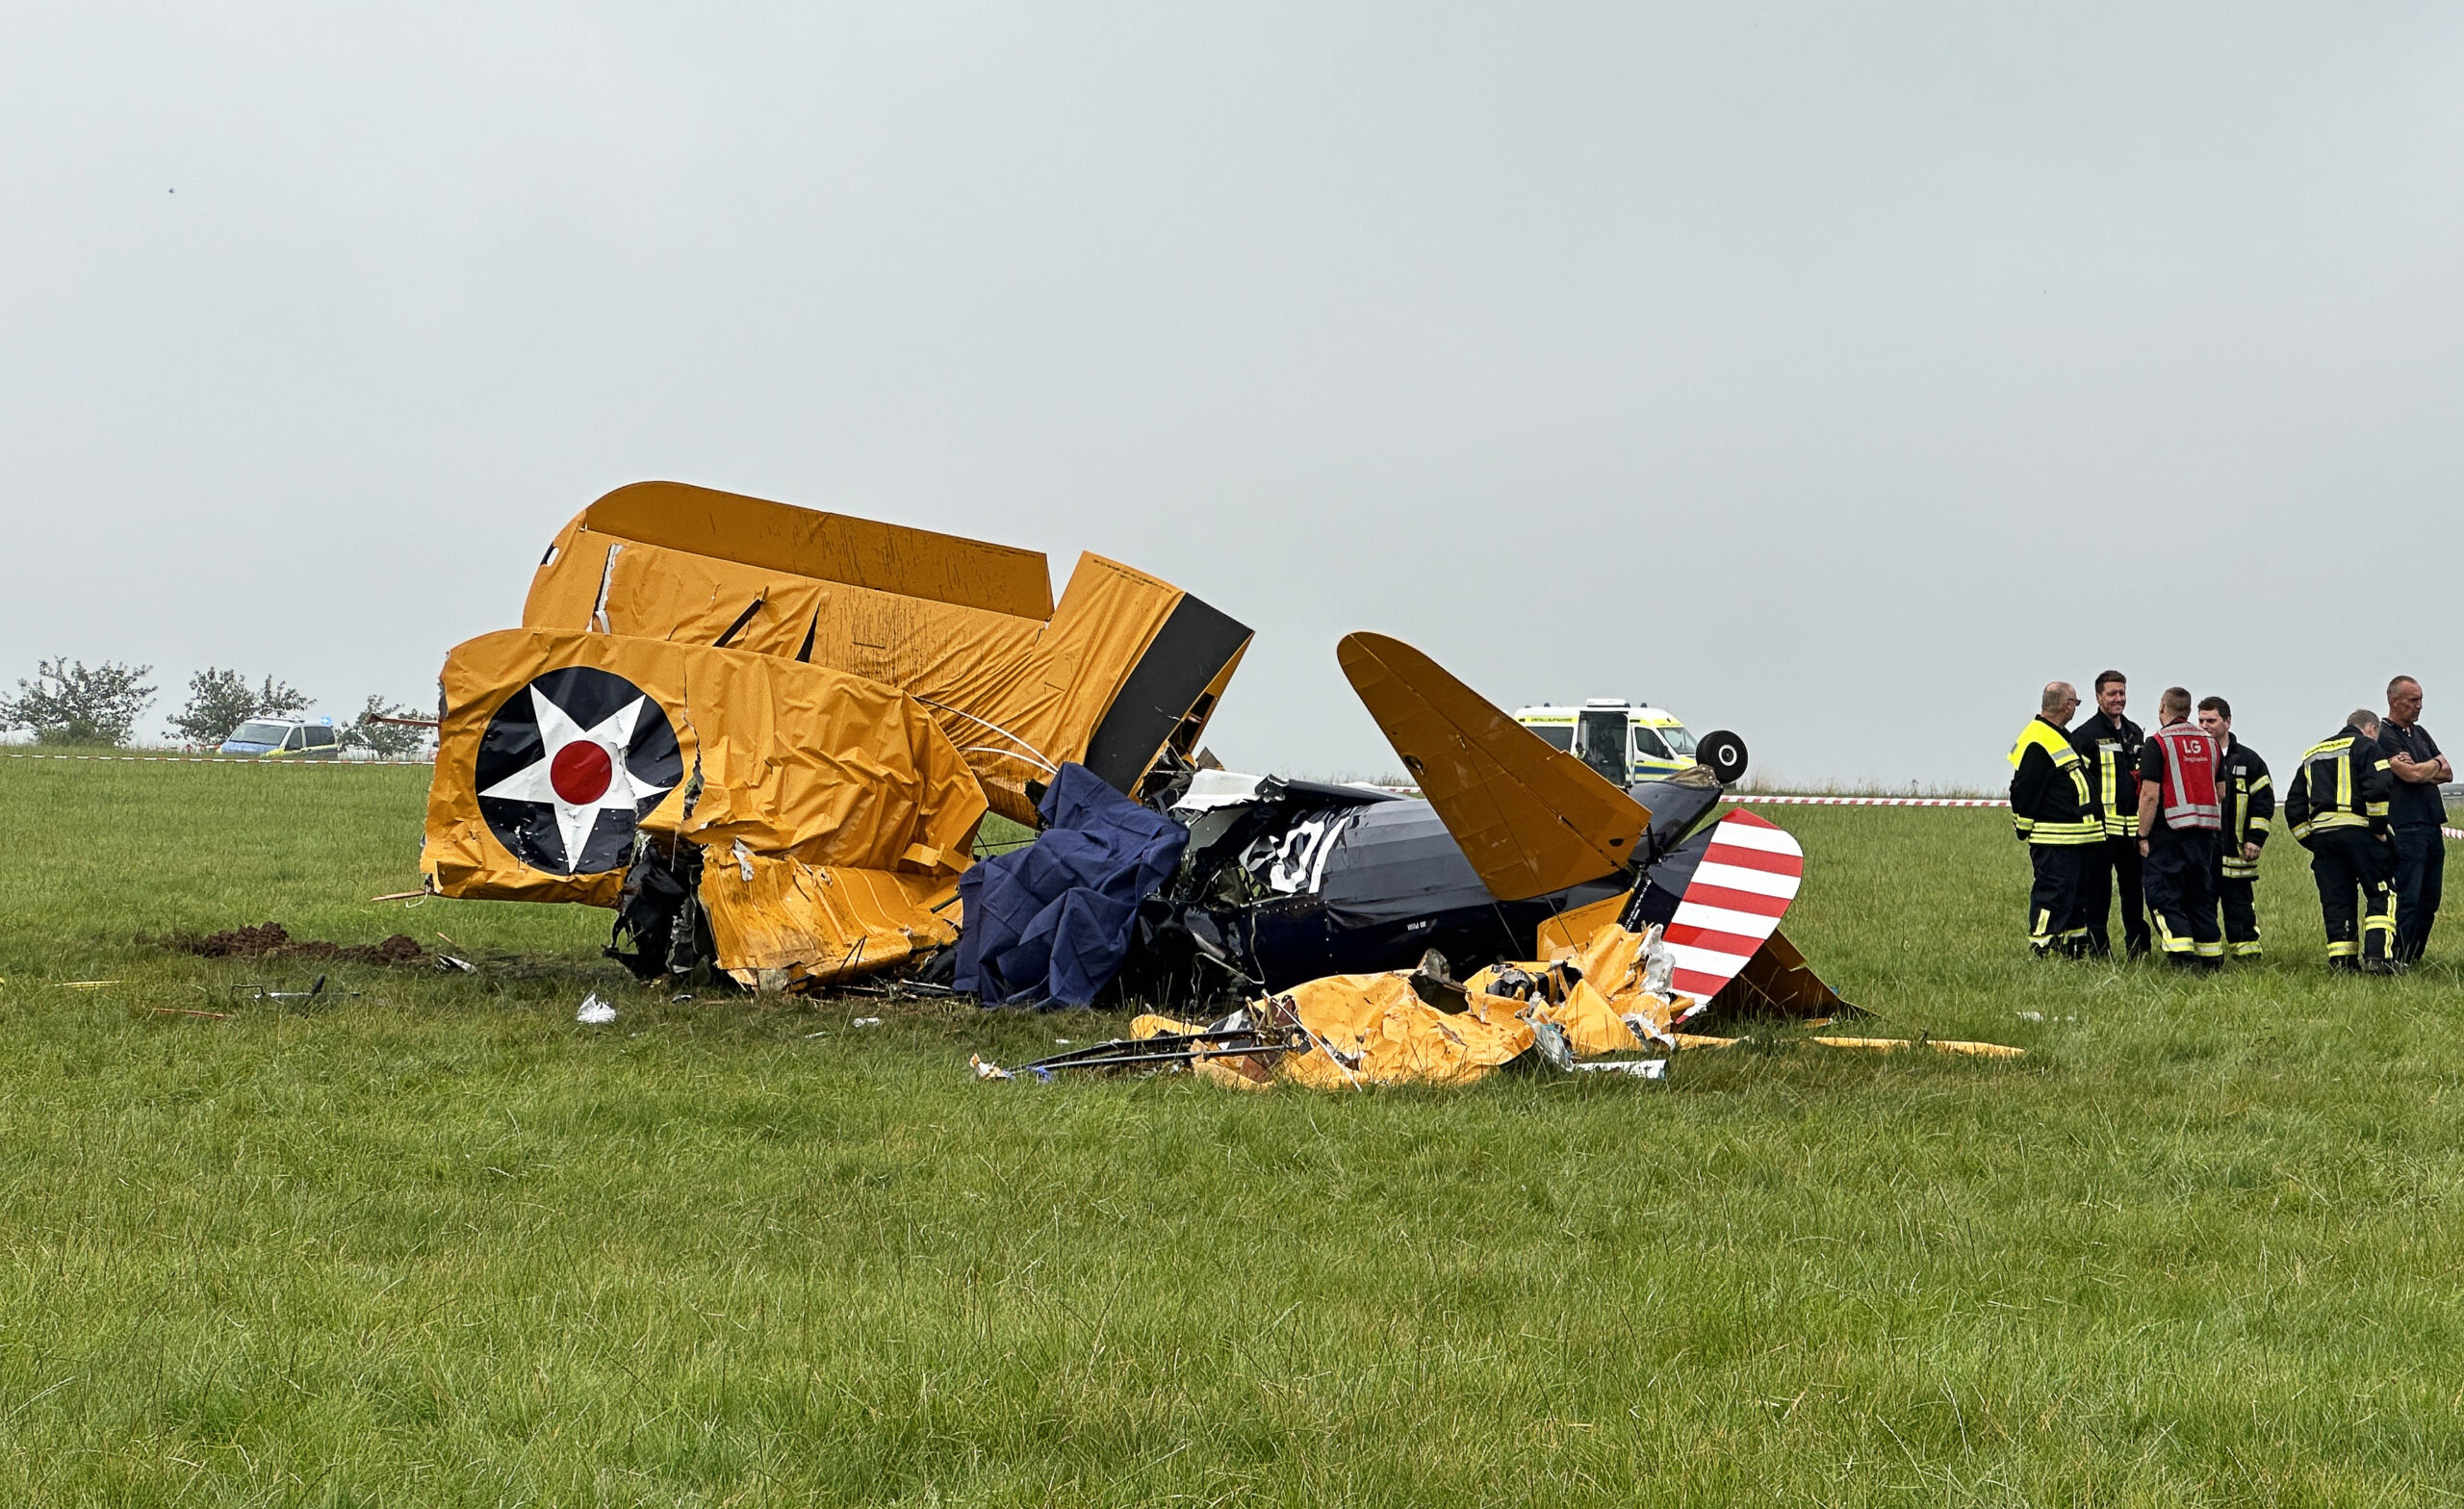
2190 778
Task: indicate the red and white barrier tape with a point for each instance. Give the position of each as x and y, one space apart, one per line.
1779 800
1759 798
2456 833
205 759
1995 802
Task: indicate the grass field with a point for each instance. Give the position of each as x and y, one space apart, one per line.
437 1244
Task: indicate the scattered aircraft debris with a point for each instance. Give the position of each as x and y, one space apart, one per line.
264 992
1402 1027
1974 1050
1416 1026
1608 1008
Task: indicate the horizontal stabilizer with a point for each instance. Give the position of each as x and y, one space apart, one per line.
1531 819
1778 979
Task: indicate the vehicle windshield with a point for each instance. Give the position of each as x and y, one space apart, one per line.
1560 736
260 733
1680 742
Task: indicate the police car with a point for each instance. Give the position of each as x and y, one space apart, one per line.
285 738
1627 742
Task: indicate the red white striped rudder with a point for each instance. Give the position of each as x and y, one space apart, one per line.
1734 902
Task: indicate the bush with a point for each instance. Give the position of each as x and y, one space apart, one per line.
73 704
220 700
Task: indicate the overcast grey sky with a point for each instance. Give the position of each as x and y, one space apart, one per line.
1837 375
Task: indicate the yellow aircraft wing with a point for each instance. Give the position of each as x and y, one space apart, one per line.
1122 675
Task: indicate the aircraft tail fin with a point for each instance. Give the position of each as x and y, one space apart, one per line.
1532 818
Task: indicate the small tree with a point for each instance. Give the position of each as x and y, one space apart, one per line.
73 704
384 740
220 700
279 698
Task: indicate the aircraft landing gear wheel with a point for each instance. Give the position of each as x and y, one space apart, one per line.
1725 752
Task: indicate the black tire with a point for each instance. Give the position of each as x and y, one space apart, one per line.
1725 752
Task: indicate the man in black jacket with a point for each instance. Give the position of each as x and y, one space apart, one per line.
2248 798
2109 743
2337 808
2056 817
2416 814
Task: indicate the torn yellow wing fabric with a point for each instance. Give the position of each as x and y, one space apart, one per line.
1375 1030
819 922
834 814
1531 819
819 766
1568 932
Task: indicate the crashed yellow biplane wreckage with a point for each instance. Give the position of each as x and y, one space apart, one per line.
766 737
767 734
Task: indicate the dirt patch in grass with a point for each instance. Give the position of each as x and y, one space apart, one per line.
272 940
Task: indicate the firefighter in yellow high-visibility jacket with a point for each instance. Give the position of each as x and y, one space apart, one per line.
2056 816
2337 808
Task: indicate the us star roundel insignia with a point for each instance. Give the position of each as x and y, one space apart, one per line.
570 763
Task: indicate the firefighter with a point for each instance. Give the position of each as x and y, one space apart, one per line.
2056 817
2178 819
2247 796
2111 743
2337 808
2416 815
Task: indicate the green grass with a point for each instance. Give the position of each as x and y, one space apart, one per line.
436 1243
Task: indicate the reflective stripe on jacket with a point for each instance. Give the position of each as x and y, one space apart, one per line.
2248 798
2112 755
2343 782
2188 788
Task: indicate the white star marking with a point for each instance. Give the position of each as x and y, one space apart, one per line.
535 782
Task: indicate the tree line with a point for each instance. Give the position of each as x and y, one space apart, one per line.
72 703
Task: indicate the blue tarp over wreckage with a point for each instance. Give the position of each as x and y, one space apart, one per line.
1049 925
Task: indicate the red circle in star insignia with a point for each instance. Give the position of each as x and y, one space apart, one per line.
581 772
